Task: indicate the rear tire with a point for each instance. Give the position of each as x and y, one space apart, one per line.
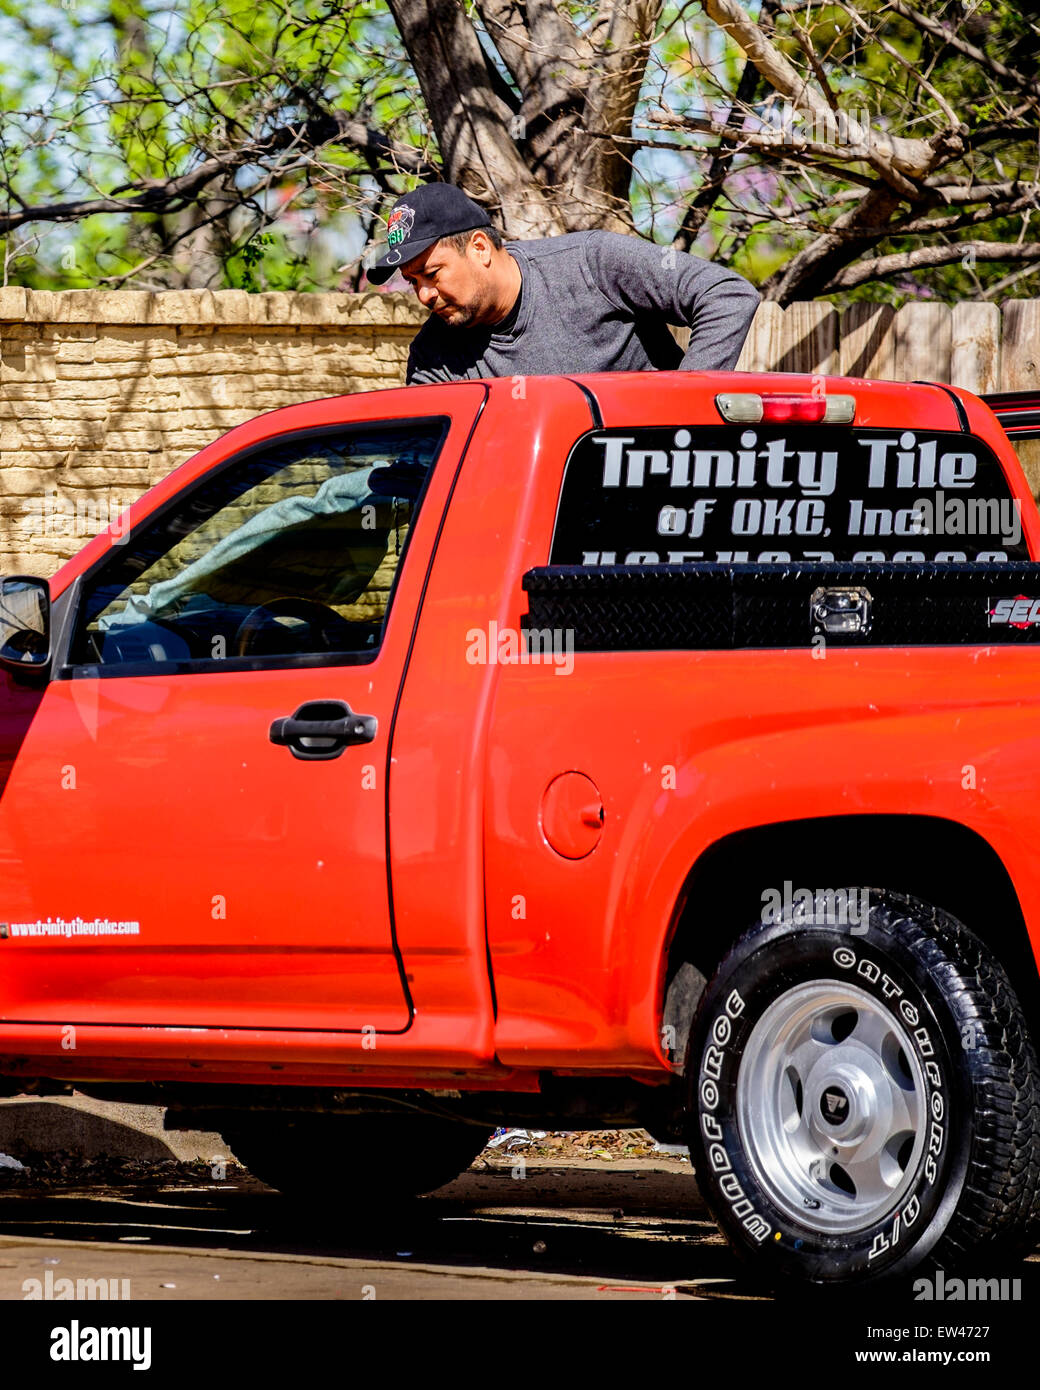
356 1161
864 1103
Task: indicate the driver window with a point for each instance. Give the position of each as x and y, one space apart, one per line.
289 550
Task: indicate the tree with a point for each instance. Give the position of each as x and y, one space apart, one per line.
874 147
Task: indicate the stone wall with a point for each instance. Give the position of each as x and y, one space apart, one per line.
103 392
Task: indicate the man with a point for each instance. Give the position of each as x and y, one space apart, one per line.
586 302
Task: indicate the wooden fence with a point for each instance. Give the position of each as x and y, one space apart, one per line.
979 346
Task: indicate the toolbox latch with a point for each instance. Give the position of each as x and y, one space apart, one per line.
837 611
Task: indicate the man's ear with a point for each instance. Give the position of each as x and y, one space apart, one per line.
482 246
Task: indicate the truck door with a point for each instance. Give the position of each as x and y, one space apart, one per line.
194 826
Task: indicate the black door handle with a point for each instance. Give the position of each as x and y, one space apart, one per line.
322 729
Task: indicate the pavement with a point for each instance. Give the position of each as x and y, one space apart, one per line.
582 1229
114 1196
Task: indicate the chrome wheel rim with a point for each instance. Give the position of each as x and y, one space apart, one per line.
831 1107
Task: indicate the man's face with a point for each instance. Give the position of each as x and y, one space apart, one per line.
456 286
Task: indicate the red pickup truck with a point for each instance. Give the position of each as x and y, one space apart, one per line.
679 739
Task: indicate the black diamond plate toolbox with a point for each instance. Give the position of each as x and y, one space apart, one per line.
712 607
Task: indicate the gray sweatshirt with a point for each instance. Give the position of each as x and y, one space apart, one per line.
596 302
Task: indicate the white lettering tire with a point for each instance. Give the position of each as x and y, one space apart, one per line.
864 1102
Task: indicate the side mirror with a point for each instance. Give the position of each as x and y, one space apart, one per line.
25 624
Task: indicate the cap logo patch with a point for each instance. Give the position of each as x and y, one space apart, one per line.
399 225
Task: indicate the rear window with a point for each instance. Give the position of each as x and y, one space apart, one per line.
776 493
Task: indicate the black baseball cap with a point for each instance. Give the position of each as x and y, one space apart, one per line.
419 219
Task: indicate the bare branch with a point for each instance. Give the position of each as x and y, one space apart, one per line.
1005 284
954 40
169 195
889 154
807 47
714 180
956 125
923 257
968 192
993 209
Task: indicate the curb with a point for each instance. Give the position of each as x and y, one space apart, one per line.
90 1128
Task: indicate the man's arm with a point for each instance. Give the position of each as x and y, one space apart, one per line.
417 372
417 376
717 304
425 363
